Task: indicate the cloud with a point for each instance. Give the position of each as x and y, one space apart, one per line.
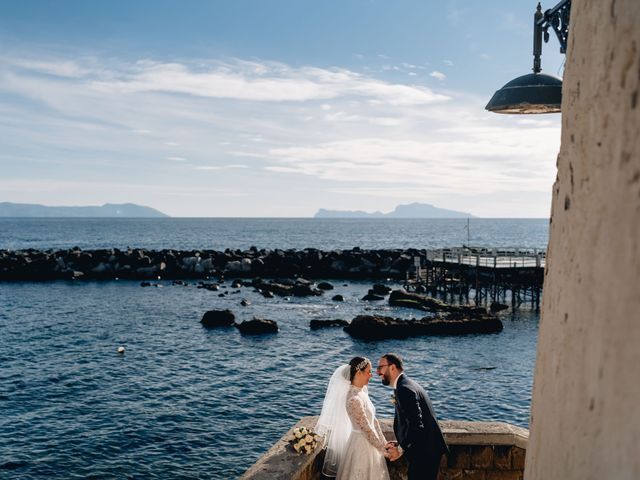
449 63
235 80
59 68
438 75
220 167
264 82
342 117
536 122
384 121
480 161
334 130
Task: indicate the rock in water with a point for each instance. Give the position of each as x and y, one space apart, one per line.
302 290
257 326
316 324
379 327
218 318
375 327
372 297
380 289
498 307
400 298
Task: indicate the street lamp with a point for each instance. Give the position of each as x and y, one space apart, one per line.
537 92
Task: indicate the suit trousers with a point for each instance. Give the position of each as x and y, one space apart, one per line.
423 467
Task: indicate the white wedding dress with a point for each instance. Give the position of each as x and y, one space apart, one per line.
363 458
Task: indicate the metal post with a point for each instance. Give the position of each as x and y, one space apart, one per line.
537 39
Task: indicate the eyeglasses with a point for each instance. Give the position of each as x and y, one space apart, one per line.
380 367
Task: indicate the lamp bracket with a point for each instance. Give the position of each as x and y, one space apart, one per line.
557 18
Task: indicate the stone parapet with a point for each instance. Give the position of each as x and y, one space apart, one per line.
282 462
479 451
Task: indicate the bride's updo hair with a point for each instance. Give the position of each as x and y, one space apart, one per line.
357 364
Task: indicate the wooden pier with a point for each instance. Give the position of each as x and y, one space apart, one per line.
487 275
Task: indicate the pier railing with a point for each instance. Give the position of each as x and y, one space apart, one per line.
489 257
493 274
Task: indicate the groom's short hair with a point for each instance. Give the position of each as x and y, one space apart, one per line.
393 359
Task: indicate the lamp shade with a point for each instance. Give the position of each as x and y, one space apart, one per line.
531 93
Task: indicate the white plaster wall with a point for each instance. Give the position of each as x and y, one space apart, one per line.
586 397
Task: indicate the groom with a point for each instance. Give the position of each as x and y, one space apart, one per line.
419 436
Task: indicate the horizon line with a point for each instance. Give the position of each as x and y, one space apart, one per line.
167 217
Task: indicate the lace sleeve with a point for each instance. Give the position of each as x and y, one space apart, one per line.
355 409
379 430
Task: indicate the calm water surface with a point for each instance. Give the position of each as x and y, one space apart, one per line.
186 402
221 233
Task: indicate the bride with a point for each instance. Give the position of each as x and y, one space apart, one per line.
354 440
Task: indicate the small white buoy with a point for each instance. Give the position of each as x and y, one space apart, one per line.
121 350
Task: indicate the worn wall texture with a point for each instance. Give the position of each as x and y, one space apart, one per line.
586 399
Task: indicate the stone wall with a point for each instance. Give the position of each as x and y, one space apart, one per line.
585 408
479 451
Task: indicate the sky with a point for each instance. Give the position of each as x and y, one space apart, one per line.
205 108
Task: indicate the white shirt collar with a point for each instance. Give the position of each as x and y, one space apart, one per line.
396 382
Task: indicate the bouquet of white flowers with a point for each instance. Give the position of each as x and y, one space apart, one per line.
303 440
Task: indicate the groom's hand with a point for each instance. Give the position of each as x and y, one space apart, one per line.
389 447
394 453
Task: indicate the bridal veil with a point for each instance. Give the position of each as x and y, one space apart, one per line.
334 422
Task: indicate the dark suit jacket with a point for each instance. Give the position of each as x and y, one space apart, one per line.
415 423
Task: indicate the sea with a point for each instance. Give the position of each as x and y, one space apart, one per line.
184 402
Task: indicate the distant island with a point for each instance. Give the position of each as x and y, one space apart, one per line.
108 210
411 210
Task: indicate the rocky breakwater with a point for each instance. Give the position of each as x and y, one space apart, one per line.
142 264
